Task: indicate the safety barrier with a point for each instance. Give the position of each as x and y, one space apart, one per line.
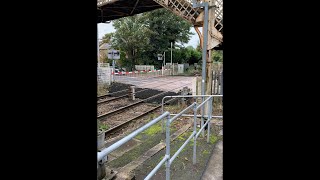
167 159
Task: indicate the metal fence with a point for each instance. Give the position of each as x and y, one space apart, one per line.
118 76
144 67
217 84
167 160
217 78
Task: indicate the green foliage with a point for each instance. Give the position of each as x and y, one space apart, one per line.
102 127
154 129
143 36
123 61
187 55
107 38
213 138
192 70
131 36
167 27
217 56
205 152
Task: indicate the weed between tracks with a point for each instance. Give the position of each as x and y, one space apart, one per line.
103 127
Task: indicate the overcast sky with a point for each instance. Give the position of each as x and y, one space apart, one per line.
104 28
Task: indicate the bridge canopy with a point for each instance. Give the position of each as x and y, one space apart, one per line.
115 9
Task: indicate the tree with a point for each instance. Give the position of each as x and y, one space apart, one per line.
217 56
195 56
187 55
131 36
166 27
143 36
107 38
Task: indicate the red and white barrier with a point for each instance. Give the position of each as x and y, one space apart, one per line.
151 73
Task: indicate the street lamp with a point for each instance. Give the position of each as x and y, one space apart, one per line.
171 41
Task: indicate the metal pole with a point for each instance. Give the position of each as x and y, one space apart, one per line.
209 63
214 82
156 168
164 62
195 132
209 118
204 46
113 64
164 58
133 93
171 59
202 117
168 148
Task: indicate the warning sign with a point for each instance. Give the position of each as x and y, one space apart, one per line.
113 54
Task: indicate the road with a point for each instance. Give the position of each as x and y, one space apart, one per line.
163 83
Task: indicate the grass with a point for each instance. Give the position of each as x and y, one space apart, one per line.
102 127
151 131
154 129
182 167
137 151
213 138
205 152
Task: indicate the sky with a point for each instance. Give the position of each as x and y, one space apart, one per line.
104 28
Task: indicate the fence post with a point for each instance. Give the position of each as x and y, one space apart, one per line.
202 118
209 117
218 80
214 82
168 148
132 93
194 131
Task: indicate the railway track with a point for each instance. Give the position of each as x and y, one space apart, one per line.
117 125
111 110
108 99
130 112
110 95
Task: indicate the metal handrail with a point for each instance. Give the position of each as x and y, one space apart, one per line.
194 134
119 143
167 160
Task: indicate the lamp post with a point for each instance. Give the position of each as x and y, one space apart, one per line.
171 40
